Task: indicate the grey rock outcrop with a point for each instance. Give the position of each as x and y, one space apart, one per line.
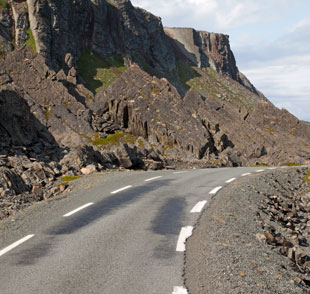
104 27
205 49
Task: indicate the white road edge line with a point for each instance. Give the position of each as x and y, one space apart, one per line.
215 190
17 243
78 209
259 170
231 180
179 290
180 172
121 189
185 233
199 206
151 179
246 174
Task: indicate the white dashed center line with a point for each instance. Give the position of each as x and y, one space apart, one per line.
272 168
78 209
215 190
14 245
180 172
259 170
199 206
151 179
179 290
185 233
231 180
121 189
246 174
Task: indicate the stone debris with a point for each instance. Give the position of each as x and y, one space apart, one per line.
285 219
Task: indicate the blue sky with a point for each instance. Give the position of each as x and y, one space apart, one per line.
270 40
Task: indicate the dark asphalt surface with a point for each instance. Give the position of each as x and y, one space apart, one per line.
123 243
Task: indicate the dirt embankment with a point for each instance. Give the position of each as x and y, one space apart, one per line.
254 237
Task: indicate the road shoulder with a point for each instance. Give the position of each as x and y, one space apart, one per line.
224 255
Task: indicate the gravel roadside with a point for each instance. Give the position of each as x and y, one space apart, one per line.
252 238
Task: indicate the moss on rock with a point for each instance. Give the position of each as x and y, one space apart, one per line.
31 42
98 71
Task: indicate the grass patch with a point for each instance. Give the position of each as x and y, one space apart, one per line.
165 148
47 113
306 178
154 90
270 130
259 165
141 143
4 4
113 139
99 72
290 164
69 178
31 42
185 73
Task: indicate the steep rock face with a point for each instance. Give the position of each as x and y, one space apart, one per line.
206 49
6 32
17 120
63 29
151 108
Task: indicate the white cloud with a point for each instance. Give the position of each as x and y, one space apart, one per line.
285 82
302 24
238 13
213 15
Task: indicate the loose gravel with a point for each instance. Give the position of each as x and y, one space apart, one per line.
252 238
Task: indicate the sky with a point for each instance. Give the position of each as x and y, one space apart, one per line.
269 38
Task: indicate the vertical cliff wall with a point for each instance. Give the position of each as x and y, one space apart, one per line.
204 49
62 29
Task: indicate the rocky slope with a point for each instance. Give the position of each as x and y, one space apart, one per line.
87 85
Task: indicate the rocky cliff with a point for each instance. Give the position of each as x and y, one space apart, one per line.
89 85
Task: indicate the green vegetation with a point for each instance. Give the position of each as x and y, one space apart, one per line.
67 179
165 148
31 42
259 165
185 73
114 139
154 90
290 164
140 142
306 178
4 4
269 129
100 72
47 113
292 131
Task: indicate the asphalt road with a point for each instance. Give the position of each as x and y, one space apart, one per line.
124 239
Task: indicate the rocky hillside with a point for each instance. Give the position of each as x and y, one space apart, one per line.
88 85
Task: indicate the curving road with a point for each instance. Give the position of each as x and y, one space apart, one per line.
115 233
